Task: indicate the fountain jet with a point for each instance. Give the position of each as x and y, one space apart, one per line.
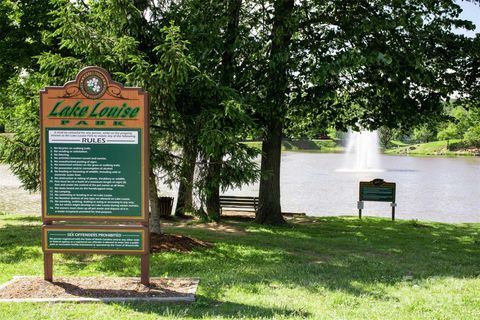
362 152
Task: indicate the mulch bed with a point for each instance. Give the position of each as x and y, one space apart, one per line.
97 288
82 289
175 242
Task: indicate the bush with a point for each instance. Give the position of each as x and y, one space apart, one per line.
450 132
422 134
472 136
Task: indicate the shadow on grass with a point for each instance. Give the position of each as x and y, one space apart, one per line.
22 218
360 257
115 293
334 253
205 306
19 243
19 236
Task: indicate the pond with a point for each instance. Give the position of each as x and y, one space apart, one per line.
428 188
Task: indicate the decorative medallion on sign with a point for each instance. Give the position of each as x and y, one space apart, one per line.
93 84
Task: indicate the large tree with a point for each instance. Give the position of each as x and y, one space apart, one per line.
137 51
189 82
275 102
367 63
362 64
23 25
227 80
215 117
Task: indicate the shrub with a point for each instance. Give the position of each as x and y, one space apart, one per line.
472 136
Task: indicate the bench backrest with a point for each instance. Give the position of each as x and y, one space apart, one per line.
238 202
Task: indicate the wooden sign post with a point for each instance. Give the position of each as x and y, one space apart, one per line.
94 168
377 190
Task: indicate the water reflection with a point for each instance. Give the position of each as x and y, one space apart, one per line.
428 188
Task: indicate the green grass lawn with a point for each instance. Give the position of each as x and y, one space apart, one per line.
319 268
315 145
305 145
427 149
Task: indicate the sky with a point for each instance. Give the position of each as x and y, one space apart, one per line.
470 12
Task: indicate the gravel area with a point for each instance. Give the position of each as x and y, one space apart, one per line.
97 288
13 198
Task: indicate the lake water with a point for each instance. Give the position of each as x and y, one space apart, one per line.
428 188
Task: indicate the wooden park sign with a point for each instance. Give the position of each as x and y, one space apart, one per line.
94 168
377 190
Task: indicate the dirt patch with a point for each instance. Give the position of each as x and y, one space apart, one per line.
229 219
212 226
249 215
176 243
232 215
474 150
96 287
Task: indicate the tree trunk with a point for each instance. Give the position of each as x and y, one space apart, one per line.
269 208
213 188
154 205
185 190
231 35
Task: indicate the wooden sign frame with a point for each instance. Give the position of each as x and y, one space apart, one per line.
112 92
377 185
94 141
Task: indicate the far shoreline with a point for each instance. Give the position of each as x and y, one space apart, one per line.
433 149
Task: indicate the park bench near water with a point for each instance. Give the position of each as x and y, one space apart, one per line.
237 202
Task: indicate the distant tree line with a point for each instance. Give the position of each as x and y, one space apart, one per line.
459 122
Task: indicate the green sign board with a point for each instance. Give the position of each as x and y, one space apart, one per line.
97 240
94 142
377 190
93 173
372 193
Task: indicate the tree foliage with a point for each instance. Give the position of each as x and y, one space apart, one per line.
140 46
360 64
221 71
23 26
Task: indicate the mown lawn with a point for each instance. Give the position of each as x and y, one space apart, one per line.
428 149
305 145
319 268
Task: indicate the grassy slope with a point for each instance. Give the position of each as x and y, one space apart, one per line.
321 268
430 148
323 146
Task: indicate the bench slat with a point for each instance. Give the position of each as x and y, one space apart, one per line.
239 198
239 202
